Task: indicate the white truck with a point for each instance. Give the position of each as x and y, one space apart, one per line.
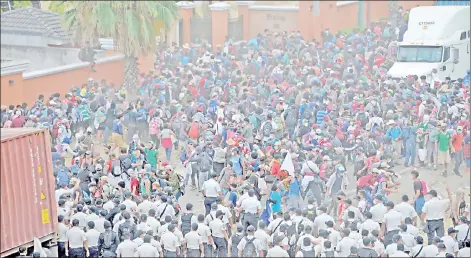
438 38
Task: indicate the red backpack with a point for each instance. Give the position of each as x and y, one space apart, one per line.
424 187
193 133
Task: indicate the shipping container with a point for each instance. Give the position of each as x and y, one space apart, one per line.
28 207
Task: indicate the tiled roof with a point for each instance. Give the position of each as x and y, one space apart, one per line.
33 21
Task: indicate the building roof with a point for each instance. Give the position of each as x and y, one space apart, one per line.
33 21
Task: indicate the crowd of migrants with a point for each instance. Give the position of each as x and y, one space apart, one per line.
264 131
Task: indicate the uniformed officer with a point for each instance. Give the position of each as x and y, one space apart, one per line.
63 229
194 242
127 226
211 190
206 238
263 237
100 222
219 234
170 243
277 250
108 241
235 240
391 221
187 219
434 212
146 249
250 238
80 216
165 209
251 209
153 223
92 236
127 248
76 244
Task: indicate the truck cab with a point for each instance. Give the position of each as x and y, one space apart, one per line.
438 37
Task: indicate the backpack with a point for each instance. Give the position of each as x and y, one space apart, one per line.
310 253
362 118
278 124
291 230
63 177
249 249
126 164
424 187
235 241
183 155
267 127
205 164
193 133
107 239
116 167
291 119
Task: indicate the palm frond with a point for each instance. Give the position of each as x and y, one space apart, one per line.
105 18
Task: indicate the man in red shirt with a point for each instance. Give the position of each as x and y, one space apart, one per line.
18 120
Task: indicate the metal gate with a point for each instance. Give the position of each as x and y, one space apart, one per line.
201 30
180 32
235 28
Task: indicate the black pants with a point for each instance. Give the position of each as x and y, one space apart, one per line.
94 253
76 252
61 249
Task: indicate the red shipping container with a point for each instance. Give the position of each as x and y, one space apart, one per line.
28 205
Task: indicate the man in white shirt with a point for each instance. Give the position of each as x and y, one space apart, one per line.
144 206
277 250
411 228
131 205
275 223
250 238
434 213
147 249
355 210
262 236
432 250
165 209
378 209
152 222
321 219
407 238
170 243
400 252
194 243
369 224
343 247
406 209
127 248
418 250
450 242
463 230
391 221
334 236
251 208
211 190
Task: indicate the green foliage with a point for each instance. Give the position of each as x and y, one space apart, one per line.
57 7
22 4
129 23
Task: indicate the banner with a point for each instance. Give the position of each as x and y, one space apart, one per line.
288 164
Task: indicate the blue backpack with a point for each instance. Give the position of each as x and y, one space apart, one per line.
63 177
183 155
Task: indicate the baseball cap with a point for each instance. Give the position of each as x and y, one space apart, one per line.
250 228
437 239
441 246
396 238
452 230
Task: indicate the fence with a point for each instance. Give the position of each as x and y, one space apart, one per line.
235 28
201 30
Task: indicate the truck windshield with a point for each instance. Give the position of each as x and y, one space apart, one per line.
423 54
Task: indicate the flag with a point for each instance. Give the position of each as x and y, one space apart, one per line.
288 164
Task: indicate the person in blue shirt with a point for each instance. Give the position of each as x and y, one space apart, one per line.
233 196
117 134
395 132
275 199
294 199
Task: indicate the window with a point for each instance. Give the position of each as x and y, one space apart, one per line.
446 54
425 54
463 35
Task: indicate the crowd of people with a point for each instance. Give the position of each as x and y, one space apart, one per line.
265 132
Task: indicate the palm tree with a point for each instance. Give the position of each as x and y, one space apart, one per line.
129 23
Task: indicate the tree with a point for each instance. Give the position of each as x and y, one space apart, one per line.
21 4
129 23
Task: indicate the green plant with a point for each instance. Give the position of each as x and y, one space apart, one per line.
129 23
22 4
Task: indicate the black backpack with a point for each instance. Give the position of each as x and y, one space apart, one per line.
249 249
235 242
291 230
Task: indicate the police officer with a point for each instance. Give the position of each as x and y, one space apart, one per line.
92 236
108 241
63 229
127 226
170 243
76 242
127 248
206 238
147 249
100 222
235 240
250 238
251 208
187 219
165 209
434 212
211 190
194 242
80 216
219 234
391 221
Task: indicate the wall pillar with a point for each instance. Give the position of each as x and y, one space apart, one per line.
219 23
186 13
243 10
